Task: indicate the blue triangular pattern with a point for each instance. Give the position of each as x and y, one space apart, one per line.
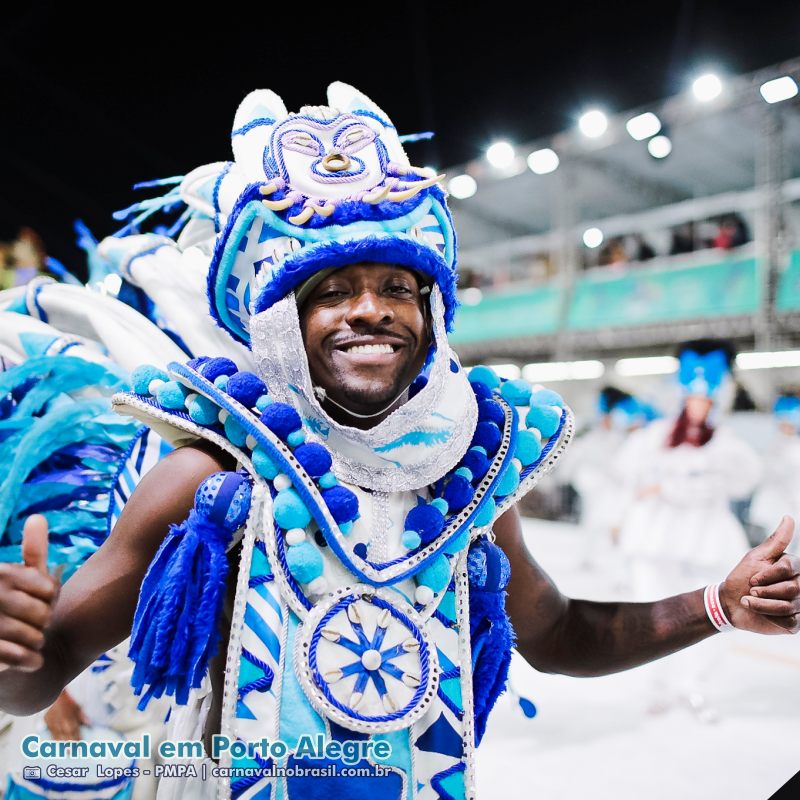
447 607
452 689
454 785
243 712
444 662
260 564
441 738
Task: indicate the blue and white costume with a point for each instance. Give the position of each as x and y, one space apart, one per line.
369 594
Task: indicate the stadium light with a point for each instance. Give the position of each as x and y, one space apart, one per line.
500 155
707 87
643 126
593 124
563 371
783 358
648 365
593 237
462 186
543 161
659 146
779 89
470 296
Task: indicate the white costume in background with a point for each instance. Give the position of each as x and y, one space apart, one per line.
686 534
779 490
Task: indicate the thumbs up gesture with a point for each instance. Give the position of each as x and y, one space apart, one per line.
27 595
762 593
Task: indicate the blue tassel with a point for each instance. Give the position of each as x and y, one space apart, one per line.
175 631
527 706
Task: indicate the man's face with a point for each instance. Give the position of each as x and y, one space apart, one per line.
365 329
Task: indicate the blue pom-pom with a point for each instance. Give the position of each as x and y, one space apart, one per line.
246 388
263 402
290 511
465 472
546 397
528 447
221 382
482 391
476 462
304 562
203 411
436 575
342 503
214 367
143 375
281 419
517 392
458 492
236 434
508 483
426 520
328 480
314 459
487 435
410 540
485 375
196 363
224 499
345 527
545 418
458 544
296 438
263 464
441 504
490 411
361 549
172 395
486 515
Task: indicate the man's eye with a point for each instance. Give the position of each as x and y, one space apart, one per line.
332 292
400 289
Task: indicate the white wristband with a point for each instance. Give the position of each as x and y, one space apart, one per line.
714 608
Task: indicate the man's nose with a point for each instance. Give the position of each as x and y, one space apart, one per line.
368 307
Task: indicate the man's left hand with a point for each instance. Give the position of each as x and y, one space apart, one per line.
762 592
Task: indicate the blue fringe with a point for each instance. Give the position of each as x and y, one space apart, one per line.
175 631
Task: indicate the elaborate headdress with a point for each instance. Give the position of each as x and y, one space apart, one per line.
703 366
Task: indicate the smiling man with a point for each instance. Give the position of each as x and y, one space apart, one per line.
342 520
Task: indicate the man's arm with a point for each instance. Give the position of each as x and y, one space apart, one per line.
580 637
46 643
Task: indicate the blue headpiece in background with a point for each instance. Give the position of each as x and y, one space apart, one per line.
703 373
787 409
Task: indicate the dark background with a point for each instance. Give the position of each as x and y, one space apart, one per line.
95 100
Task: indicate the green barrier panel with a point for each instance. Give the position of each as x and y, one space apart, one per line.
508 315
788 296
645 296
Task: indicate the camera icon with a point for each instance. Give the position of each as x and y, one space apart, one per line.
31 773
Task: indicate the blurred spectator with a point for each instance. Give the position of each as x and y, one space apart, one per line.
682 239
613 253
732 233
642 249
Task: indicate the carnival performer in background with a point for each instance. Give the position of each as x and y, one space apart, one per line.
679 529
342 519
602 496
780 484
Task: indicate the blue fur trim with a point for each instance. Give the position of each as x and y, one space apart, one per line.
175 631
492 641
388 249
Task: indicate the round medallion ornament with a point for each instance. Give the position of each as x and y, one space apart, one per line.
365 661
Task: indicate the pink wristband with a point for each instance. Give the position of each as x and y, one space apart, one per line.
714 608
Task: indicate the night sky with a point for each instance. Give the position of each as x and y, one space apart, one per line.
93 104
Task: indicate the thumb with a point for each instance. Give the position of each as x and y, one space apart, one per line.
775 544
34 543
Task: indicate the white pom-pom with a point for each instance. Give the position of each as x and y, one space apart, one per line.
295 536
423 595
223 415
250 442
517 463
318 585
190 398
154 386
282 481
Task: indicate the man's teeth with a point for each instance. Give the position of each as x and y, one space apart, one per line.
371 348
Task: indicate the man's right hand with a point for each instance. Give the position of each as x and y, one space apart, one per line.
27 595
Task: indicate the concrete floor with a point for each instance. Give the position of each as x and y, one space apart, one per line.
602 738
